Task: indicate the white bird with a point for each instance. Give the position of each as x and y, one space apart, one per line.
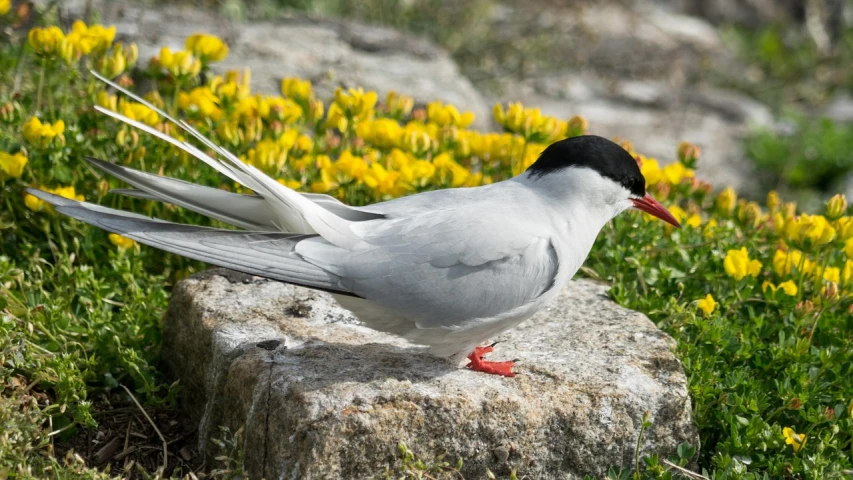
448 268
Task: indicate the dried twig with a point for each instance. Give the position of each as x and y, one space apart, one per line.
147 417
684 471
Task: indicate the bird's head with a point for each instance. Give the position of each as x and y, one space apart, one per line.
595 175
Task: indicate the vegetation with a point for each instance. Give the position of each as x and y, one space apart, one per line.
757 298
787 71
815 156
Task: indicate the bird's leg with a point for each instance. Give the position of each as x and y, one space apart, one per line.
477 363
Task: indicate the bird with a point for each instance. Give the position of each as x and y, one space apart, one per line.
447 269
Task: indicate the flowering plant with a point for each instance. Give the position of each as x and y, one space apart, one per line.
758 297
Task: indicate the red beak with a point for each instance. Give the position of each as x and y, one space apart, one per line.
651 206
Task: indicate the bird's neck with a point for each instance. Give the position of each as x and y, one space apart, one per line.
580 203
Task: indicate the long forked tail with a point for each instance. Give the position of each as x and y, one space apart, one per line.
267 254
251 212
291 211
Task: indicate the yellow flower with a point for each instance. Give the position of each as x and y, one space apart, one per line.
281 109
180 63
201 100
779 223
830 274
207 48
448 115
788 287
304 143
726 201
355 103
349 167
336 118
382 181
847 272
39 133
693 221
123 243
848 248
738 264
651 171
809 230
784 262
773 200
139 112
707 304
291 184
844 228
417 173
795 440
529 123
86 40
267 154
113 64
674 173
416 140
5 5
326 183
296 89
382 133
398 105
33 203
46 41
750 213
110 102
450 171
677 212
836 206
12 166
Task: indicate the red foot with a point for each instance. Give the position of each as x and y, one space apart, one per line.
493 368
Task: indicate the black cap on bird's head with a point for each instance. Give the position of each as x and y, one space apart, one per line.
609 160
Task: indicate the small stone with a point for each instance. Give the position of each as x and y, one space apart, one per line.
501 454
269 344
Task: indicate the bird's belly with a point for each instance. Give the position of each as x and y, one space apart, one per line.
449 342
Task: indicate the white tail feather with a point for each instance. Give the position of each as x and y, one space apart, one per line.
297 214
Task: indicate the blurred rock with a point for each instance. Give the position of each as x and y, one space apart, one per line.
322 397
636 70
656 116
329 52
840 108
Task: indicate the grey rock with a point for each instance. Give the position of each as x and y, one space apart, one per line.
635 72
331 53
321 396
840 108
656 116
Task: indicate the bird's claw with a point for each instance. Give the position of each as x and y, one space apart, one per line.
476 363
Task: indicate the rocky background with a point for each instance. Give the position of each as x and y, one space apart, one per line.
655 72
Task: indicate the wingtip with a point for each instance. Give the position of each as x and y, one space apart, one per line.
36 192
50 198
97 161
99 76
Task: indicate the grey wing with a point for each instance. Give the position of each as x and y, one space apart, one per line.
268 254
446 269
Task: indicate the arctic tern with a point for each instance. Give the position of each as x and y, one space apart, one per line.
448 269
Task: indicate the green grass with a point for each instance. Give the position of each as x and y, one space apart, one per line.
80 317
